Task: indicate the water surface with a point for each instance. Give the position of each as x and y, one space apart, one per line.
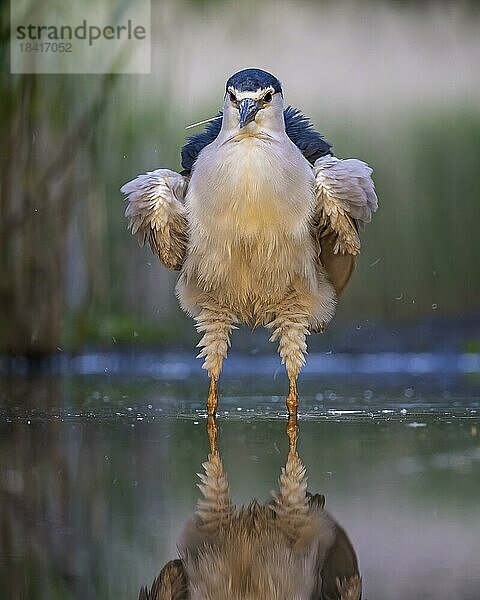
98 473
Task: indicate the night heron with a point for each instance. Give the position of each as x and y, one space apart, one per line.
262 223
287 549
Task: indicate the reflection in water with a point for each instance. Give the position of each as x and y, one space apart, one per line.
288 548
96 477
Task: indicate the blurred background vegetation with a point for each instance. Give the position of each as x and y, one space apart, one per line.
393 83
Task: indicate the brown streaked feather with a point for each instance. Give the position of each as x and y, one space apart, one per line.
339 267
346 198
170 245
350 589
171 584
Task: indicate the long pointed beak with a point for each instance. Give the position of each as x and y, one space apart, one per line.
247 108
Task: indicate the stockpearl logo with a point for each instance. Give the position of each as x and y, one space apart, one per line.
67 36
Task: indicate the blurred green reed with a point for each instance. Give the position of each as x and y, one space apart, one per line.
72 274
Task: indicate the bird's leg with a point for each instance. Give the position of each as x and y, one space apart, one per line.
290 327
212 400
215 506
291 503
216 324
292 433
292 398
212 431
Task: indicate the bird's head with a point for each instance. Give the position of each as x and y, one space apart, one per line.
253 101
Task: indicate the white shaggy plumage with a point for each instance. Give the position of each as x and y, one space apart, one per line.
261 236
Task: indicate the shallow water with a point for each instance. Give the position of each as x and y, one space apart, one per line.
98 472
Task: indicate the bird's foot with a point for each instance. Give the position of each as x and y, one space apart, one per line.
292 398
212 400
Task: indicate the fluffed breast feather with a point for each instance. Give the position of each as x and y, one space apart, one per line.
345 197
156 214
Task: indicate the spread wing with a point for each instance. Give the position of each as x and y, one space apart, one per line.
345 199
156 214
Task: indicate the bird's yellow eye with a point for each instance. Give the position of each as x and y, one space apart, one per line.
268 97
232 97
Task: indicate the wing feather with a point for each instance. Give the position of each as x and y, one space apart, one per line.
156 214
345 199
171 584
